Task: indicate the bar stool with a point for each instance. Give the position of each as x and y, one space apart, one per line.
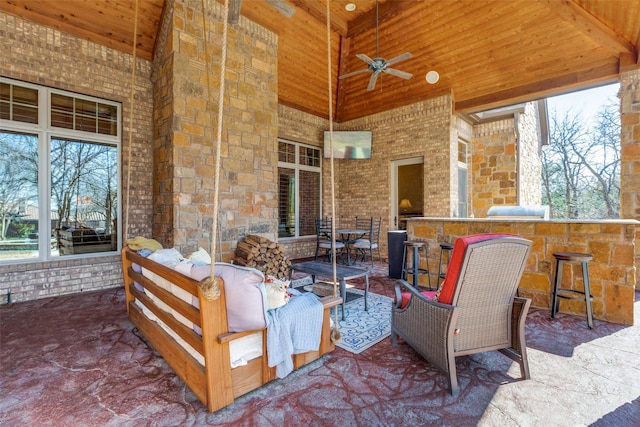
444 248
558 292
415 269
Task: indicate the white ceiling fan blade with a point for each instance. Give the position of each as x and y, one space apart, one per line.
365 58
355 73
399 58
398 73
372 81
282 7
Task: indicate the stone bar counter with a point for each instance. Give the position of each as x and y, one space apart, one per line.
611 242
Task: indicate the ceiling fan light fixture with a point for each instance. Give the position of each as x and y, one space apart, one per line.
432 77
350 7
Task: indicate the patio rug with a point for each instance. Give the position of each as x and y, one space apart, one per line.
360 329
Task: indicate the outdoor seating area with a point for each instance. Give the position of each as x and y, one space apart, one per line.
385 385
371 237
355 241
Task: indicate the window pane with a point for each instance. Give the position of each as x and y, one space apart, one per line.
61 111
309 201
107 119
286 202
462 152
18 196
84 194
310 156
18 103
462 192
286 152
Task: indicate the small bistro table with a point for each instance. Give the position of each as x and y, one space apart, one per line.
343 273
348 236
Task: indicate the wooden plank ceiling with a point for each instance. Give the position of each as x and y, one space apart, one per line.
488 53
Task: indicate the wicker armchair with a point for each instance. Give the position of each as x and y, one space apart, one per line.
476 309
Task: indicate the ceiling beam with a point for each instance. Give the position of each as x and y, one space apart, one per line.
318 11
629 62
591 26
345 50
596 76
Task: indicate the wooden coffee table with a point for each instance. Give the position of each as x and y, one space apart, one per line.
343 273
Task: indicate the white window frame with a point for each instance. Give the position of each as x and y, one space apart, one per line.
297 167
45 132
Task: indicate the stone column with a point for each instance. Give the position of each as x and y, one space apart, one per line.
185 117
630 151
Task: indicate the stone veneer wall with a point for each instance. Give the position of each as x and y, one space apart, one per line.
612 272
44 56
186 123
493 166
630 149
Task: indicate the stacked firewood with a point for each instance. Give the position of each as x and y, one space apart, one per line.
263 254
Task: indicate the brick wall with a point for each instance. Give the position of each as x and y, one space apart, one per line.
529 163
44 56
362 187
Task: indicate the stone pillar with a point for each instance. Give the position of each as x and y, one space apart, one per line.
185 116
493 166
630 145
630 151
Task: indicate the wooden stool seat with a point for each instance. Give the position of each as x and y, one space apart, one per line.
415 269
558 292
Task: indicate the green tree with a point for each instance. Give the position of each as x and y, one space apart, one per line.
581 165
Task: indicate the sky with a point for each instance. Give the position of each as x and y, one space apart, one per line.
587 101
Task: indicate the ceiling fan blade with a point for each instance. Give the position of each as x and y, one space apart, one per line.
398 73
282 7
365 58
355 73
234 11
372 81
399 58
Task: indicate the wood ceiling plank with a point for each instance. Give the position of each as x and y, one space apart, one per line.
319 11
581 19
605 73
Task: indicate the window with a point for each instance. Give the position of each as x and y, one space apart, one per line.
462 180
59 173
299 173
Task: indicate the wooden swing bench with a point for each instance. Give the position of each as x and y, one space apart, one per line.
214 382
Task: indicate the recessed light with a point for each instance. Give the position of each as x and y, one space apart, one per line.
350 7
432 77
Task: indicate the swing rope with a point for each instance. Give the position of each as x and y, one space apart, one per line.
210 287
336 336
131 99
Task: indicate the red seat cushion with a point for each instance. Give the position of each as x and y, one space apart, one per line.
448 287
406 296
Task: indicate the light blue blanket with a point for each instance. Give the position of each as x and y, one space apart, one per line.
291 329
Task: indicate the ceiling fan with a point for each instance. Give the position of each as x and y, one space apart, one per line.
279 5
379 65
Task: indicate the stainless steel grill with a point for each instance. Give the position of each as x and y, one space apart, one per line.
519 212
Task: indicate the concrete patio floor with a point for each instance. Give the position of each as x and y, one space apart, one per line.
75 361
